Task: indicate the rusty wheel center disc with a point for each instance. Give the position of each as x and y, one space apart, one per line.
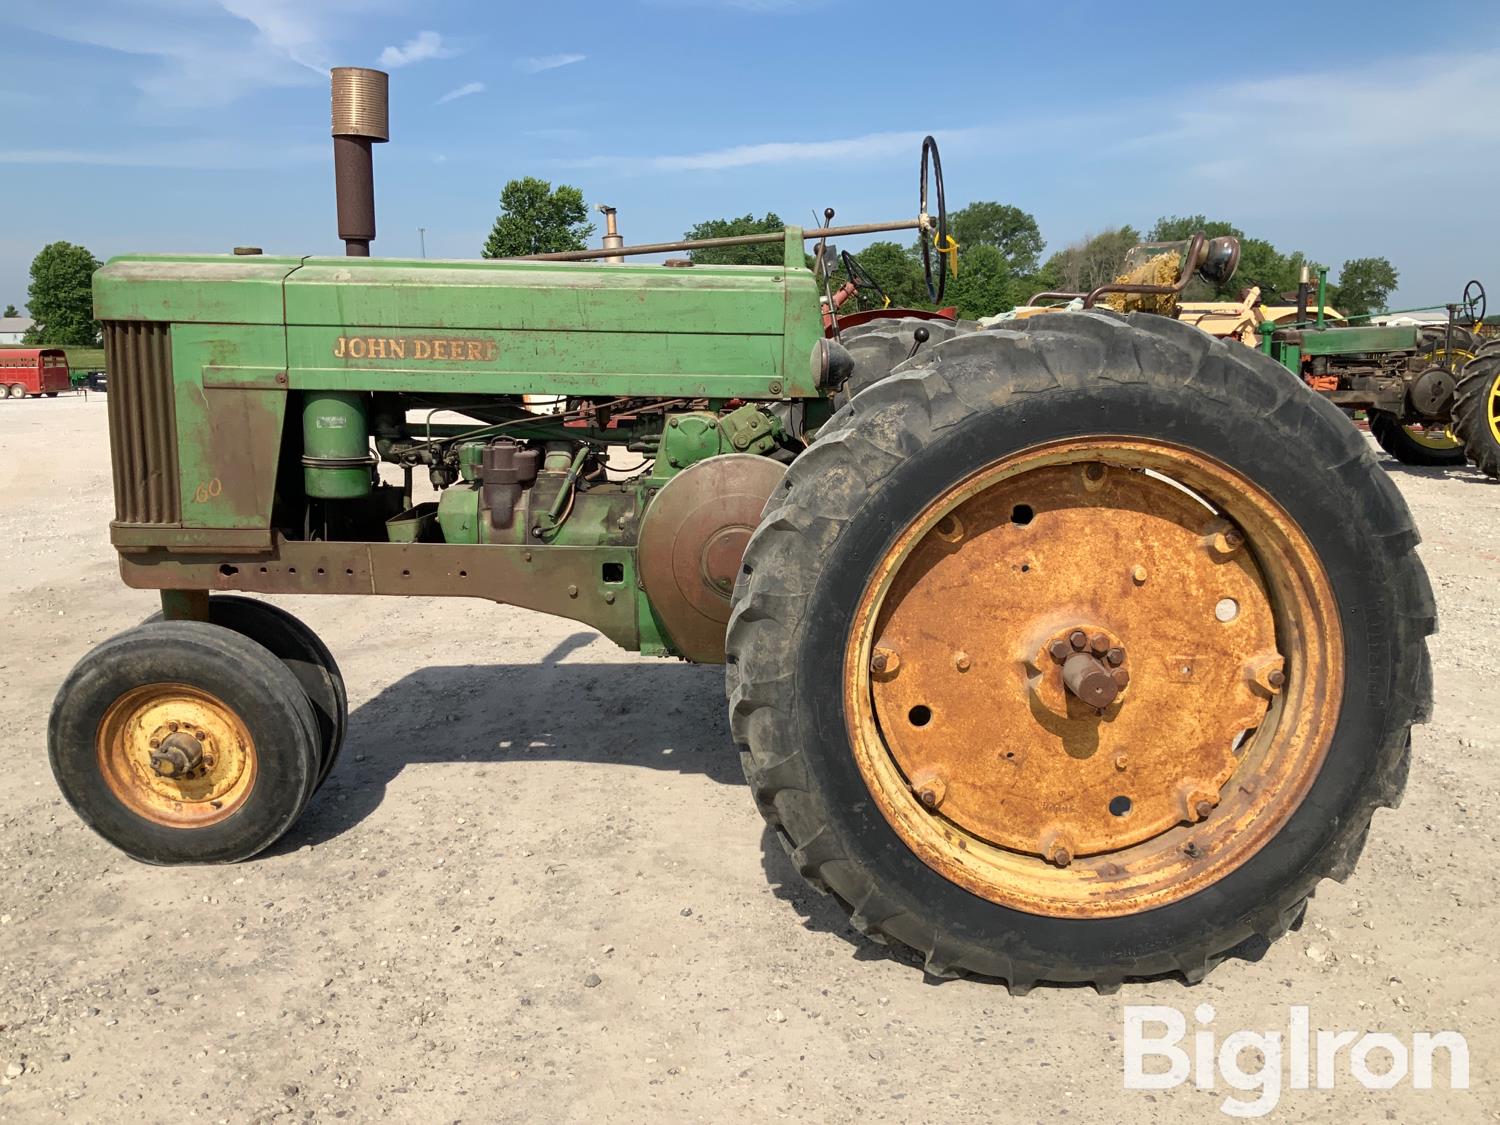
176 755
1094 677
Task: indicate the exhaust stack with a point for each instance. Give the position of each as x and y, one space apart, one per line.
612 237
361 118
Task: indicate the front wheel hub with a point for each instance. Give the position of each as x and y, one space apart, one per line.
177 755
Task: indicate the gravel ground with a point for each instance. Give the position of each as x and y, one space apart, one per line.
535 889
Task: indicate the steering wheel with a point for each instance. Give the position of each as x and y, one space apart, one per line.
862 280
934 241
1473 303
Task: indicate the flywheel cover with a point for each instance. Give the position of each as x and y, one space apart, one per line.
692 540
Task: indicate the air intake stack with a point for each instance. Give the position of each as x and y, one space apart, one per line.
361 118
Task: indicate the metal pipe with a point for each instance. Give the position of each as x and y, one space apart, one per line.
1191 263
613 240
709 243
354 187
361 119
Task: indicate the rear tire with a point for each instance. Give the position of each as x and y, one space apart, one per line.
878 346
939 421
16 391
1476 410
253 725
1393 437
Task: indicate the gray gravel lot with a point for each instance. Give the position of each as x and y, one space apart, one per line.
535 889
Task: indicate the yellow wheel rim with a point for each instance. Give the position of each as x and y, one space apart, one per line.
1436 437
1007 781
1493 409
176 755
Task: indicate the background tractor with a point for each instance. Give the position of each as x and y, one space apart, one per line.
1402 375
1041 657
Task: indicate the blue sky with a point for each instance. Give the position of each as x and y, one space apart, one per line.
196 125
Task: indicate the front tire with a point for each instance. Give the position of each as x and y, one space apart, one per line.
920 849
303 653
184 742
1412 445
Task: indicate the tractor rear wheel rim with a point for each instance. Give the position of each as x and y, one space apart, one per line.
1144 558
1492 408
151 731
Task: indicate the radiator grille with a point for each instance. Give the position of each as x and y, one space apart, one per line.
142 422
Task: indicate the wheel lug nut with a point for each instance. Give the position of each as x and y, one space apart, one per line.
1060 650
930 788
885 661
1138 575
1115 656
1222 537
1122 678
1266 672
1078 639
1099 643
1203 809
962 662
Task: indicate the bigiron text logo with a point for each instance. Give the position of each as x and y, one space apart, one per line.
1258 1066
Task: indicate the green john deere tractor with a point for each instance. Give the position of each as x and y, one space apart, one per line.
1403 377
1043 656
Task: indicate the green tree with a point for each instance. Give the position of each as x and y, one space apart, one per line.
1008 229
60 296
1179 228
11 310
985 284
898 272
764 254
1089 262
1364 286
535 218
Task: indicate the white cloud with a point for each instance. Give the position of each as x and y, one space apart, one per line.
423 46
461 92
195 155
285 26
196 54
1326 113
870 146
538 63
